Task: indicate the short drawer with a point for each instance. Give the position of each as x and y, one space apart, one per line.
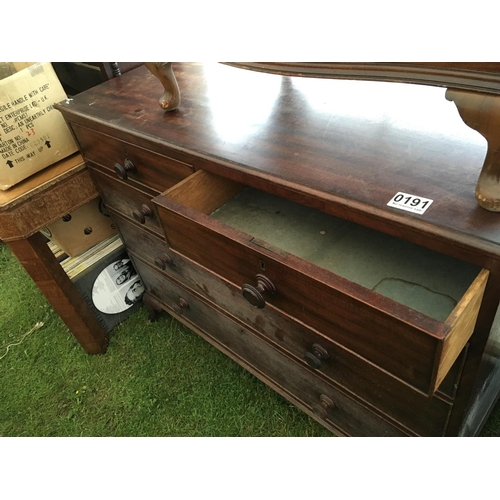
128 201
131 163
373 322
328 405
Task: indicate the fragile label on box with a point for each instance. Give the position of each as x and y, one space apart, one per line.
33 135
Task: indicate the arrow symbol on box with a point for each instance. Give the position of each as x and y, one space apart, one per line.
47 143
10 164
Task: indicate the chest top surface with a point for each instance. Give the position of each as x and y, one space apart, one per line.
353 144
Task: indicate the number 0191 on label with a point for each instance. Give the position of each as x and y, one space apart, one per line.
410 203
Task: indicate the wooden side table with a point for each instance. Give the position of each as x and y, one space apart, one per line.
33 204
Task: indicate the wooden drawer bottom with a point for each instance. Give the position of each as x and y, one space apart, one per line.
328 405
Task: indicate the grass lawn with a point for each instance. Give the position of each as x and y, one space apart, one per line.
156 379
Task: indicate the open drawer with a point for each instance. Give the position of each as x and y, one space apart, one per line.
405 308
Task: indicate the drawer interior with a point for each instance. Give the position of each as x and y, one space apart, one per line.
427 281
419 278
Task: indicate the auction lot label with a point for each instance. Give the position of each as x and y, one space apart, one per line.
410 203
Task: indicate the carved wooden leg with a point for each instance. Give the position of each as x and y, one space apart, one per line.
171 98
481 112
40 263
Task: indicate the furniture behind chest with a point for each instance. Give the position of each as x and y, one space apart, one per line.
32 205
257 214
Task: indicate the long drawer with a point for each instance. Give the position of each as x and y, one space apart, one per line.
130 163
332 407
392 398
413 346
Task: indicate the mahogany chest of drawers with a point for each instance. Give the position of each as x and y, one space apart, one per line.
257 214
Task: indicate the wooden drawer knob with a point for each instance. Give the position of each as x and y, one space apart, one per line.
322 407
179 306
121 170
315 356
140 215
163 261
254 295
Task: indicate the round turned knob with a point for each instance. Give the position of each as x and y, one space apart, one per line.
140 215
316 355
322 407
163 261
179 306
254 295
121 171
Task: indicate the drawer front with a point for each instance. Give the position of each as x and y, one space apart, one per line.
414 347
328 405
128 201
135 164
425 416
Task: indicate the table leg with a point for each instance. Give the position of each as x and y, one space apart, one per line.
41 264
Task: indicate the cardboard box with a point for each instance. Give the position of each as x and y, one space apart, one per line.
82 228
33 135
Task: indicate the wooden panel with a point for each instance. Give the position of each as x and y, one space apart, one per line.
124 199
44 198
204 192
293 381
152 170
461 325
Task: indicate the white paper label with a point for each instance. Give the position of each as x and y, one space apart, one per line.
410 203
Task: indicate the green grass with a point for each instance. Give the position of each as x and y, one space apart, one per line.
156 379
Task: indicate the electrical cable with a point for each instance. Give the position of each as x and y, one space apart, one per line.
7 347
